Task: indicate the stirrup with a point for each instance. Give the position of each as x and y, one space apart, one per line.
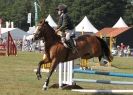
74 50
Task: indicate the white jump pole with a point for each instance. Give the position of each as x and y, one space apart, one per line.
68 74
103 91
60 75
103 81
71 73
65 73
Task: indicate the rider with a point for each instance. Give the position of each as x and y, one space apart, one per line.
65 26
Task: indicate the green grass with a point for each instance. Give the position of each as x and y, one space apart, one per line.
17 76
123 62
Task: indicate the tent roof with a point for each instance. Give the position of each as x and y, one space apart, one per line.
51 21
120 23
112 32
85 26
4 30
15 32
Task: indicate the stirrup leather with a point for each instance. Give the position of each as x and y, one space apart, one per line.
71 44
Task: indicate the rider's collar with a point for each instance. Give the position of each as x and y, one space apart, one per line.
61 14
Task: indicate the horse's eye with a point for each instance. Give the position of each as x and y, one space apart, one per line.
39 28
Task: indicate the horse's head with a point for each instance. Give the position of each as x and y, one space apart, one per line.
40 30
45 32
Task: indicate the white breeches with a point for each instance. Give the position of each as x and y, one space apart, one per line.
69 33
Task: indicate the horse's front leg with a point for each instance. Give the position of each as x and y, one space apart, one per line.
54 64
38 73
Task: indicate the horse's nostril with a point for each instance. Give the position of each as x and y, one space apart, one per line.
32 39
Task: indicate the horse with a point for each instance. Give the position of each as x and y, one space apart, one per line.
88 46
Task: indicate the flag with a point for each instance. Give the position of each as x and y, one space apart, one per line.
29 18
12 24
7 24
0 27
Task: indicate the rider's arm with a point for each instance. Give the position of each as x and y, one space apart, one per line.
64 23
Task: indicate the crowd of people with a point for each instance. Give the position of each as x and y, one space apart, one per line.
27 45
23 45
122 50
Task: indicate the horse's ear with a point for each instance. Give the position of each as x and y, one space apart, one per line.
42 21
46 22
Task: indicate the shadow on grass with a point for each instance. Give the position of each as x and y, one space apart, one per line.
68 87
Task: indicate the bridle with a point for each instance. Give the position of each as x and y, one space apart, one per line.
37 33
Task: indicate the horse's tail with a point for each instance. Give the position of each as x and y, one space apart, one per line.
105 49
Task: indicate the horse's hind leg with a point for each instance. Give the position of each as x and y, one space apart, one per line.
54 64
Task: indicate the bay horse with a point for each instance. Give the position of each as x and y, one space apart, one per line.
88 46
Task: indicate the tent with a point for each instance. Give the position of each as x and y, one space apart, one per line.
51 22
31 30
15 32
4 30
85 26
120 23
49 19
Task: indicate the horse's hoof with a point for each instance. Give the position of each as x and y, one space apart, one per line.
45 88
39 76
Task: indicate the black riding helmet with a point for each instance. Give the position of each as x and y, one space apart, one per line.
62 7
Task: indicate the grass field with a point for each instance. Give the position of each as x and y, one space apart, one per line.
17 76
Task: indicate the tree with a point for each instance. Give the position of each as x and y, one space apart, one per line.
104 13
101 13
128 13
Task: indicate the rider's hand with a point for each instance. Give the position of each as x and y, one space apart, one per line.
56 30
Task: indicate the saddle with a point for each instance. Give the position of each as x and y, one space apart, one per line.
71 44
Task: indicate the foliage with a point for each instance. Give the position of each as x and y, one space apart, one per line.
101 13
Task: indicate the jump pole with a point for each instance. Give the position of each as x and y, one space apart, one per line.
103 91
65 73
104 81
66 77
103 73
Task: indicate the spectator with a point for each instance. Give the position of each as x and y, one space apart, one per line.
122 46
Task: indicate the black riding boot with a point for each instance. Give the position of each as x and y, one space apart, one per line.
73 47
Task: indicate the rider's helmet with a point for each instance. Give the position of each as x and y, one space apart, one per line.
62 7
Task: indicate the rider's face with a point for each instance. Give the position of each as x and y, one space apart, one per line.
59 12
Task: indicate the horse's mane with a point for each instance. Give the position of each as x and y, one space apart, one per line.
56 37
52 32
